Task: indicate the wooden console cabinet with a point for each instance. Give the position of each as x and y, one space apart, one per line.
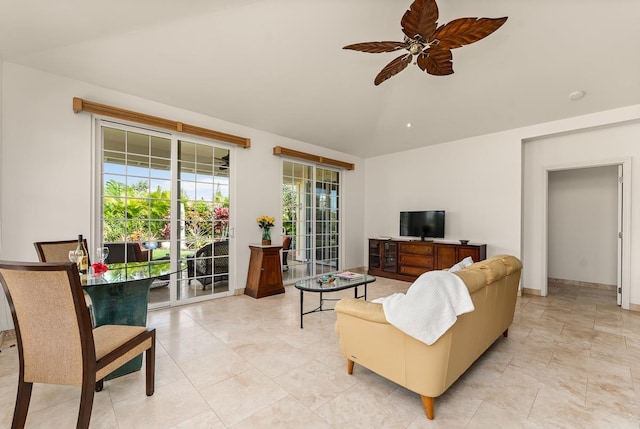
406 260
265 272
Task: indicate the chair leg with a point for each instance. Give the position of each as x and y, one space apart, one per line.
427 402
22 405
99 385
86 404
150 358
506 333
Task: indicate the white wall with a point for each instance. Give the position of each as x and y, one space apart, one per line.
5 315
47 155
479 182
597 146
476 182
583 224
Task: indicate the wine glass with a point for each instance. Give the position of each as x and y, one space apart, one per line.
102 253
75 255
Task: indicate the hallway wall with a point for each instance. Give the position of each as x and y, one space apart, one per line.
583 227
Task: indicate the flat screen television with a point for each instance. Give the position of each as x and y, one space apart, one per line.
423 224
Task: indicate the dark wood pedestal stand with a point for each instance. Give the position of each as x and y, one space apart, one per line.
265 271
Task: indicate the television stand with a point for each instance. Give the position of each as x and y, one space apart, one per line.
407 260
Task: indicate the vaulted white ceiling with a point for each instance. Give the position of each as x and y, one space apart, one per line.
279 66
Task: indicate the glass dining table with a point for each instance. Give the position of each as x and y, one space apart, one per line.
120 296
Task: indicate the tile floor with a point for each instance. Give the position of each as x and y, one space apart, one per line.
572 360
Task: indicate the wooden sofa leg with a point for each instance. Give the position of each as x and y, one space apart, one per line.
506 333
427 402
350 366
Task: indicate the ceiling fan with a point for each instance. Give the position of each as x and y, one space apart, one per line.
431 44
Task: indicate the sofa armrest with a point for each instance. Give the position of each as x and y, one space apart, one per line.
370 311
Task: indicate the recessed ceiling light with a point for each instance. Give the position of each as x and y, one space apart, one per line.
576 95
408 124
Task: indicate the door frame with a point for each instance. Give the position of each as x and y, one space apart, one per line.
624 263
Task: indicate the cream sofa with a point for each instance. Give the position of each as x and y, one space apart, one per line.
366 338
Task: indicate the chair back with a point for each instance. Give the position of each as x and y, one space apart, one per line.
125 252
52 322
58 251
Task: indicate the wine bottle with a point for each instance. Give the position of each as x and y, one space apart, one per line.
83 258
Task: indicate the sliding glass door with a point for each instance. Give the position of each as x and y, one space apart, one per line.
310 220
165 200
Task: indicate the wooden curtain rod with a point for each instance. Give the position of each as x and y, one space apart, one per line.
80 105
283 151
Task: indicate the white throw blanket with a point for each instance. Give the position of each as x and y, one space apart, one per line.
430 306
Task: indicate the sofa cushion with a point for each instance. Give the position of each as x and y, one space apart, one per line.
466 262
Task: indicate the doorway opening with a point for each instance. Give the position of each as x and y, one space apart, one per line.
583 233
622 220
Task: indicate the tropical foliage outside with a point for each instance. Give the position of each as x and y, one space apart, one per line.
135 213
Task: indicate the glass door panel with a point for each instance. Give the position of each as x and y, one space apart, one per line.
327 220
310 218
203 219
136 199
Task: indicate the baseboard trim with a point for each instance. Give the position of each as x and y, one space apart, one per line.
589 285
634 307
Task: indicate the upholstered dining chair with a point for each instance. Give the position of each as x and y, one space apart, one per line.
58 251
46 302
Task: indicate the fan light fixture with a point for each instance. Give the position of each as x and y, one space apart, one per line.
429 43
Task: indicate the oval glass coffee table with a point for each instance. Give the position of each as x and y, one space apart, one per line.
315 284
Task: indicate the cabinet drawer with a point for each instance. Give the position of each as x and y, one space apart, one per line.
417 260
412 271
474 252
416 249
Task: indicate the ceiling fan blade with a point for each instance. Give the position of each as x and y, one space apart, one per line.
464 31
393 68
376 47
437 62
420 21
